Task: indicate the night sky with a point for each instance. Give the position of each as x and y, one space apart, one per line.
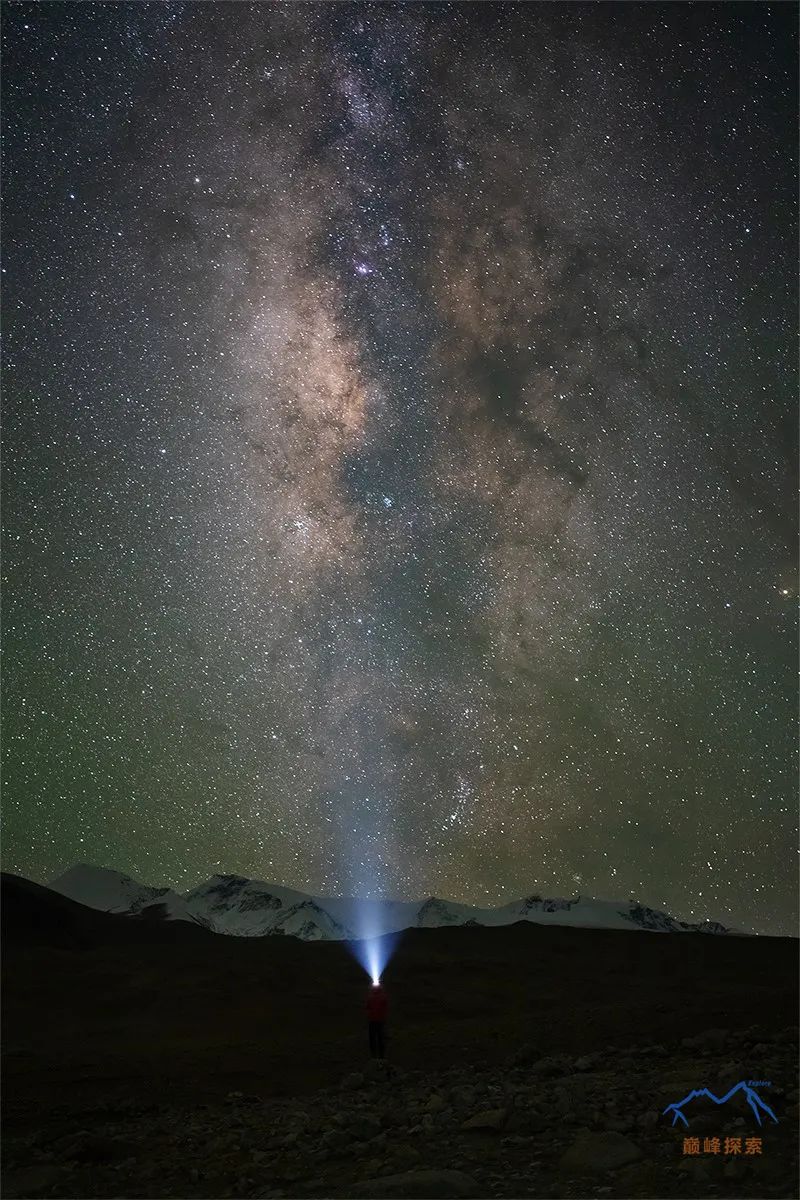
400 448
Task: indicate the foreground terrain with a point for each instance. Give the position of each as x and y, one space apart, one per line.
144 1060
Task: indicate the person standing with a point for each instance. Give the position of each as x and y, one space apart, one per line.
377 1008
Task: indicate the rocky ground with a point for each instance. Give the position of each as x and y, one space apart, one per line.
556 1126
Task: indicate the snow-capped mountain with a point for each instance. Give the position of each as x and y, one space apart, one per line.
434 913
111 891
241 907
309 921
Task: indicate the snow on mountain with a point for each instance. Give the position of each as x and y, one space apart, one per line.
235 905
651 918
309 921
100 887
248 908
435 912
582 911
111 891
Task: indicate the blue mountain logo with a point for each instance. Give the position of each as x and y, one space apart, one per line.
753 1099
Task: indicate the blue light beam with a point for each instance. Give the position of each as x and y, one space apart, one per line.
372 947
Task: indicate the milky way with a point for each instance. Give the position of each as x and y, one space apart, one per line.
400 448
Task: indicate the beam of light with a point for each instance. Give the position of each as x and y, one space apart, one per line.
371 946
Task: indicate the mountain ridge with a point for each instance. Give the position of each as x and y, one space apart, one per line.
241 907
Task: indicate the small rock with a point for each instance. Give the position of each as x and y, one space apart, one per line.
585 1062
435 1103
353 1081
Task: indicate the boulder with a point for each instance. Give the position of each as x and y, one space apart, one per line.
594 1153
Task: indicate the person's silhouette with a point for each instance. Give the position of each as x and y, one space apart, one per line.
377 1008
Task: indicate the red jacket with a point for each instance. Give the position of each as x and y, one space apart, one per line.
377 1004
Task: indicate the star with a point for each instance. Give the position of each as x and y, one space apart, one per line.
443 388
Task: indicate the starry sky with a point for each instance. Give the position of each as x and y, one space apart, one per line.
400 464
